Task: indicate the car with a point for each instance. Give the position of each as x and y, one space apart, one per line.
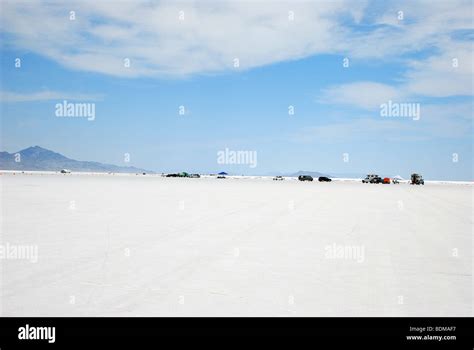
376 180
324 179
368 178
221 177
194 176
172 175
305 178
65 171
386 180
278 178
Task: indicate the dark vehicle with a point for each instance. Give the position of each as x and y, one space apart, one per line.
324 179
417 179
305 178
376 180
183 174
278 178
221 177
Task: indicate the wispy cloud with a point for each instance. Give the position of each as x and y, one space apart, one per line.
452 120
7 96
450 73
166 38
364 128
365 94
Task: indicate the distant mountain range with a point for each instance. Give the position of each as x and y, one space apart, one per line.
310 173
41 159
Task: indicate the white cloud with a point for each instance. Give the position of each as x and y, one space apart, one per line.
425 24
364 128
214 33
157 42
444 75
365 94
7 96
452 120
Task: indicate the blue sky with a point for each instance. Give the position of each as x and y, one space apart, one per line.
189 62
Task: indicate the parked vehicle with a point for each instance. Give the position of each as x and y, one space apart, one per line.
221 177
368 178
194 176
395 181
278 178
417 179
324 179
183 174
65 171
386 180
376 180
305 178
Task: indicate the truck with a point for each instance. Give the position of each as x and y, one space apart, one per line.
372 178
417 179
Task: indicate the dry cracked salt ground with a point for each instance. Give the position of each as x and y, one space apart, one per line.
152 246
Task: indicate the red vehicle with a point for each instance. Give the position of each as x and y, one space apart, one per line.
386 180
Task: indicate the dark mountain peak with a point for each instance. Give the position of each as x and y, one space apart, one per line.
35 149
42 159
40 152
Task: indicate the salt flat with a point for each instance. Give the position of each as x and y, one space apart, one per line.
151 246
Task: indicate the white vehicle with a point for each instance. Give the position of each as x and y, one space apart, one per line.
278 178
65 171
369 178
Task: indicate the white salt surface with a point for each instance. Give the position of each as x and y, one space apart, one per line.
128 245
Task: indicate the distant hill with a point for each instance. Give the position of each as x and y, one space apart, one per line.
348 175
41 159
311 173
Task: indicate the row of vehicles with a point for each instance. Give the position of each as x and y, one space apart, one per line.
375 179
184 174
305 178
221 175
415 179
310 178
